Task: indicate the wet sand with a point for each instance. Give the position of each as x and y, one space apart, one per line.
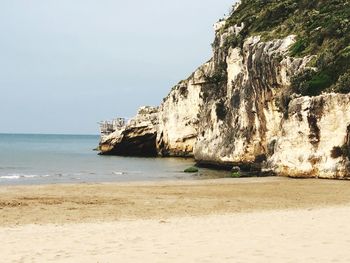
236 220
78 203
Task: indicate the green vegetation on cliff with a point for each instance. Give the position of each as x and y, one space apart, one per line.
322 28
192 169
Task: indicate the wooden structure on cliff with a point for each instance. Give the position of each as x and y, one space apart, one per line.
108 127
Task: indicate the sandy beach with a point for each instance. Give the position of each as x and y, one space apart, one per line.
239 220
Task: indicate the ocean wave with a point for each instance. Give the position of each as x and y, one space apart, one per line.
10 177
20 176
126 173
118 173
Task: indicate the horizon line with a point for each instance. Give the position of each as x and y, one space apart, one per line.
38 133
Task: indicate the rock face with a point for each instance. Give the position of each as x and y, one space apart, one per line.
238 110
179 116
137 138
314 140
242 114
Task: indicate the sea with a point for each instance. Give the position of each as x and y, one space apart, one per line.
27 159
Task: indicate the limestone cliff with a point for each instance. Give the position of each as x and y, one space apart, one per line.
245 108
137 137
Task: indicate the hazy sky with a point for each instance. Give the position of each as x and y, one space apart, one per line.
66 64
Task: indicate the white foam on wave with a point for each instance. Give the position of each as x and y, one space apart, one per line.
118 173
127 173
10 177
20 176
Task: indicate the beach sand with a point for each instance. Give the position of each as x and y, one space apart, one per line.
226 220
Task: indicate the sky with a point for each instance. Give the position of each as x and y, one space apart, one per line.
67 64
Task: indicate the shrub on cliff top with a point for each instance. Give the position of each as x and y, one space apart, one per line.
343 84
321 26
298 47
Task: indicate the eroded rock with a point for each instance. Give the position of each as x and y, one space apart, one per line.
137 138
237 110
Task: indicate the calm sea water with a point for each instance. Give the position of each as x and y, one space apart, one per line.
47 159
